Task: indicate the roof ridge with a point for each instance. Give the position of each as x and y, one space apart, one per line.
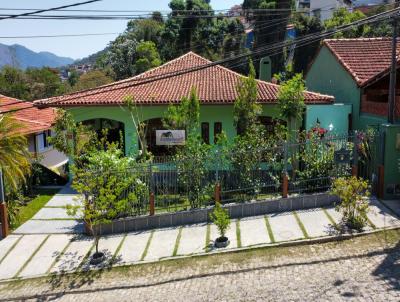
31 121
358 39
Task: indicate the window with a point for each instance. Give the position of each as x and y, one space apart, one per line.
42 140
217 130
205 132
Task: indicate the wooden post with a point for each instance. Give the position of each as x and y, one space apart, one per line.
285 185
152 207
354 170
4 220
217 193
381 181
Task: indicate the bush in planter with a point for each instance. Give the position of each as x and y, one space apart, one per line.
353 205
221 219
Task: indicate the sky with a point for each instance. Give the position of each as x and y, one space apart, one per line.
76 47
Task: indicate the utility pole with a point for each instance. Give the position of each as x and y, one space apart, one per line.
392 85
393 71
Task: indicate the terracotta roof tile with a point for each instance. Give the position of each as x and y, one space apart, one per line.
215 85
32 119
365 58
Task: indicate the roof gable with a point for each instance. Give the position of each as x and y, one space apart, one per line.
32 119
170 82
365 59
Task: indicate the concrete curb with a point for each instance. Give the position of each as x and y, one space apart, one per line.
292 243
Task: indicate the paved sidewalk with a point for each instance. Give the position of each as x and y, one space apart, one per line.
53 217
30 255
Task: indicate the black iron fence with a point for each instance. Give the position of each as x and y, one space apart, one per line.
291 168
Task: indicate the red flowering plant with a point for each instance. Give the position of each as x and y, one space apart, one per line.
317 131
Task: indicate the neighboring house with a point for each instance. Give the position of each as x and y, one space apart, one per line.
356 72
36 126
155 89
322 9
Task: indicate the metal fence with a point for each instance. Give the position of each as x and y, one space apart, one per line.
310 166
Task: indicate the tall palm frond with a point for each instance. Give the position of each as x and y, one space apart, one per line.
14 155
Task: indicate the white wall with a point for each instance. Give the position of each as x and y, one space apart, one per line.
326 7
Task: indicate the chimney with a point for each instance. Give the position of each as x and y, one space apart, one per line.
265 69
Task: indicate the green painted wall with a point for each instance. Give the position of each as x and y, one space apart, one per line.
208 113
328 76
335 115
391 161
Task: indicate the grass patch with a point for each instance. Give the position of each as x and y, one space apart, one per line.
177 241
238 235
26 212
208 235
33 255
330 218
11 248
301 225
146 249
269 230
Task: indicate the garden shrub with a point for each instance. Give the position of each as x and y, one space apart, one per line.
353 204
220 217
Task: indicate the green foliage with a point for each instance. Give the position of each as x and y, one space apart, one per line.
191 164
316 158
121 56
15 159
90 80
354 206
246 109
303 55
111 188
220 217
31 84
147 56
342 17
186 115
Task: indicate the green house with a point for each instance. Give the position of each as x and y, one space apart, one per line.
356 72
155 89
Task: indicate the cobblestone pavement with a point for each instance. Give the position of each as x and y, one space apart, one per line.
362 269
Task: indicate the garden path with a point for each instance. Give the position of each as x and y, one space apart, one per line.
30 255
53 217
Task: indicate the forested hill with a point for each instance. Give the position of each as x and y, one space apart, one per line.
19 56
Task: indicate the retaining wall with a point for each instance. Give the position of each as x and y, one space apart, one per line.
236 210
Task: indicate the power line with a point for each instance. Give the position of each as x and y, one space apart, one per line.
270 49
274 47
58 36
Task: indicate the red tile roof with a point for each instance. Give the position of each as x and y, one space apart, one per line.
215 85
32 119
366 59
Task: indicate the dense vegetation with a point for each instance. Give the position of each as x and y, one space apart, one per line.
149 42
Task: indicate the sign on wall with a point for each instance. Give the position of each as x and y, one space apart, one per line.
170 137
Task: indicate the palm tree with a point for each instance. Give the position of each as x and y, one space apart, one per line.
14 155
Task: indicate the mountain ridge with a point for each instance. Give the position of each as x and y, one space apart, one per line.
22 57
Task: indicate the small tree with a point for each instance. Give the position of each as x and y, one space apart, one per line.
291 100
186 115
246 109
110 187
220 217
353 205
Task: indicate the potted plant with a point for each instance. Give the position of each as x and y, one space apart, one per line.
353 204
221 219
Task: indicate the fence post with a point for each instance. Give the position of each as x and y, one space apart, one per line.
217 192
4 220
285 185
381 181
152 207
354 167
